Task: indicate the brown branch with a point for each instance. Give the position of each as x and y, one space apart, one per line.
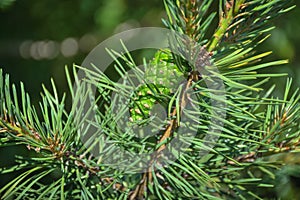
141 188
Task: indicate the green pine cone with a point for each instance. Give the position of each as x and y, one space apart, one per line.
162 77
162 71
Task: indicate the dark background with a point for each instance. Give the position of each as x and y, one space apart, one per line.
39 38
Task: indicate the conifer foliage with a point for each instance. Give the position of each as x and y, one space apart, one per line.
239 164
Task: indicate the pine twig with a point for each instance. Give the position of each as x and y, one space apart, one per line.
147 176
232 8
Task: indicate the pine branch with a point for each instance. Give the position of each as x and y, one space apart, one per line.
242 22
147 177
53 145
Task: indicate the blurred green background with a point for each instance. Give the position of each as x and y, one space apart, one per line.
39 38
